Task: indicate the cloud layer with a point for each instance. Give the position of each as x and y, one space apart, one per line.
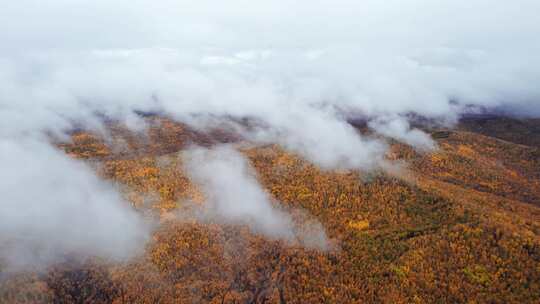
286 64
64 60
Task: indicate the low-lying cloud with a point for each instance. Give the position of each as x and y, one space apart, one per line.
233 194
54 208
399 129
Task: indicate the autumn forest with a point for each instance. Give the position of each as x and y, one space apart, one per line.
460 224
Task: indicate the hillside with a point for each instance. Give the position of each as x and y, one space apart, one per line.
457 225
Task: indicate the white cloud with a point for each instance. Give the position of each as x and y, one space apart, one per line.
398 128
233 194
55 208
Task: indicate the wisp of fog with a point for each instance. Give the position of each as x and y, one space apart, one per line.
233 193
54 208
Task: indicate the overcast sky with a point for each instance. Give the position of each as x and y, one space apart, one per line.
373 56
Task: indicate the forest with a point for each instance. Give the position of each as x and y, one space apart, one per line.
435 231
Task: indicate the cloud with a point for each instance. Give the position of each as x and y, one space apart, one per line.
233 194
398 128
264 59
54 208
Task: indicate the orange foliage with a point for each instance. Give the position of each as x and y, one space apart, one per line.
463 230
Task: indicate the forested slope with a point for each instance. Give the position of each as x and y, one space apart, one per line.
457 225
